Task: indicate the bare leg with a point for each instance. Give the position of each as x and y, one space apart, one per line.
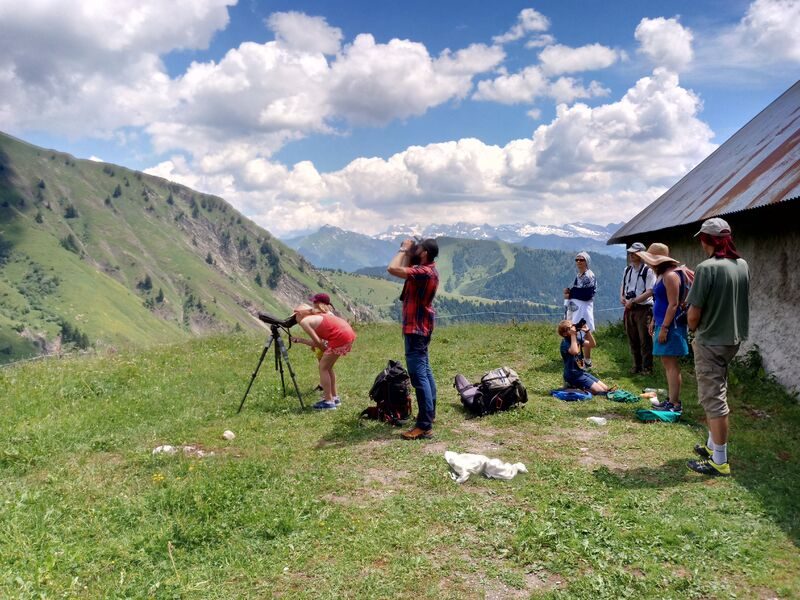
719 430
326 377
672 369
598 387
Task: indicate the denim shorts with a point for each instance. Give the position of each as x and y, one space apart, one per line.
583 381
676 344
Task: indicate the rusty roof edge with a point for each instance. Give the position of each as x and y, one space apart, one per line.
620 237
629 228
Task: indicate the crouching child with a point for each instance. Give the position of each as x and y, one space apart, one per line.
573 344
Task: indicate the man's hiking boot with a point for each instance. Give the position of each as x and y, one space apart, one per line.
703 451
635 370
417 434
709 467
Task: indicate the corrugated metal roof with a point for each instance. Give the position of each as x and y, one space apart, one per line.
759 165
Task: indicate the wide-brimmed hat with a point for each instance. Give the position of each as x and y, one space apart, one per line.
716 227
636 247
656 254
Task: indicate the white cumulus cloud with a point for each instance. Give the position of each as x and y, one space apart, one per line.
299 31
528 21
609 159
374 83
665 42
767 35
91 67
522 87
557 59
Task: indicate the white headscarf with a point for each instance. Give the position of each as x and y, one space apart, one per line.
584 255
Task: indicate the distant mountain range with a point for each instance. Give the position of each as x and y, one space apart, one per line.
511 273
335 248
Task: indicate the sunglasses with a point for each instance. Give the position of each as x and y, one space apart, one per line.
580 260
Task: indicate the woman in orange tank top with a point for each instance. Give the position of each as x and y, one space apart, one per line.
334 336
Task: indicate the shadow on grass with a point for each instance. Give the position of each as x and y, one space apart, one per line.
358 431
764 447
672 472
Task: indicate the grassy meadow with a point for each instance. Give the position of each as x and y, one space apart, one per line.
321 505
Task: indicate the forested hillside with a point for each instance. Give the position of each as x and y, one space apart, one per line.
96 254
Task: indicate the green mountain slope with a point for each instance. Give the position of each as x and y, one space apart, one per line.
92 253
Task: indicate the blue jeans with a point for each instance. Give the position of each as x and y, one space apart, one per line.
419 369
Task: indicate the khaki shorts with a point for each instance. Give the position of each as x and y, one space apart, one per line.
711 368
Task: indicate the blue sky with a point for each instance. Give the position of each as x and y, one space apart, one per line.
365 114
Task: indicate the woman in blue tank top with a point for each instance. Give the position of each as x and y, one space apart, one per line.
670 338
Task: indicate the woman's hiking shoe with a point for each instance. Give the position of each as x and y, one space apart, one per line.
587 364
709 467
417 434
667 405
337 401
703 451
324 405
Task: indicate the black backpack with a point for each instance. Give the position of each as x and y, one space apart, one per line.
500 389
392 394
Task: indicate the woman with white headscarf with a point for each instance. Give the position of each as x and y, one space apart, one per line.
579 299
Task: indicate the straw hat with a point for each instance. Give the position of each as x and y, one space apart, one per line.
656 254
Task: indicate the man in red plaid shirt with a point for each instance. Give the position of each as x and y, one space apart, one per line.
422 280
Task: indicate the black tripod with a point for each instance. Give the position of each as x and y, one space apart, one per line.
280 355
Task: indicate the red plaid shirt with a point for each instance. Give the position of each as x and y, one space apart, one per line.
418 292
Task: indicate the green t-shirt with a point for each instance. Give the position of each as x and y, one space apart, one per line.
721 287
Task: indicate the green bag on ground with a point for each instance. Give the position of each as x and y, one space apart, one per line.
623 396
666 416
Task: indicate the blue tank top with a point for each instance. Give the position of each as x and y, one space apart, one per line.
661 301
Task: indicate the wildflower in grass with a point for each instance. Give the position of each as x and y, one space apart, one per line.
158 477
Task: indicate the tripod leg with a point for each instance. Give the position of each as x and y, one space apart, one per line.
258 366
285 355
279 365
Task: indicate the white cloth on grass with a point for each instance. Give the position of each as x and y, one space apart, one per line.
464 465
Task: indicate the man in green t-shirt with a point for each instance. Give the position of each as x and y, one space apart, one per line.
719 314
